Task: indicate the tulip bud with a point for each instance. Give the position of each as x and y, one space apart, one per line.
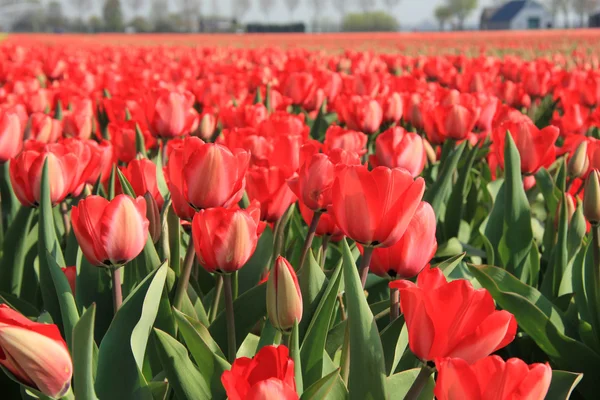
570 208
579 162
431 156
207 126
591 198
153 215
284 299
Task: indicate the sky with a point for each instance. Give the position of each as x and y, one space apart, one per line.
409 13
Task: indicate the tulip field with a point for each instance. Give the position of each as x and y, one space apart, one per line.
406 216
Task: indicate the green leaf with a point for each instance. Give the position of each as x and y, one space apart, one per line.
330 387
399 384
10 204
558 259
447 266
313 283
205 352
585 289
367 364
315 339
544 112
14 249
124 345
174 227
250 274
394 339
94 287
140 143
83 355
294 346
181 373
562 385
248 308
320 124
538 317
19 304
437 194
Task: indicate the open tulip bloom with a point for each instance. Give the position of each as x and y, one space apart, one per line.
193 221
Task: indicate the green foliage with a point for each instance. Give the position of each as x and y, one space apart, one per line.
376 21
113 16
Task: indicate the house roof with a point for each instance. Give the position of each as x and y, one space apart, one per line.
508 11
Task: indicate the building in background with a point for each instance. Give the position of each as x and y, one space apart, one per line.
517 15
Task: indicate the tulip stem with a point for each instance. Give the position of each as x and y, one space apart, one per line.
184 278
364 264
309 238
340 299
215 306
324 246
115 274
596 269
417 387
394 300
231 342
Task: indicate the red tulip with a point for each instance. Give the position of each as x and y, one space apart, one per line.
35 353
313 182
269 186
141 174
337 137
104 151
375 207
299 86
89 162
176 155
208 124
326 226
491 378
361 113
412 252
248 115
110 233
79 121
284 299
269 375
11 134
225 239
212 175
452 319
171 114
71 274
455 121
535 146
122 136
393 107
397 148
44 128
26 173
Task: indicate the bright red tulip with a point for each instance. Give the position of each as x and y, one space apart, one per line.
313 182
491 378
141 174
11 134
71 274
105 152
110 233
79 121
536 146
375 207
299 86
225 239
171 114
269 186
208 124
455 121
361 113
452 319
337 137
173 175
284 299
397 148
393 107
412 252
44 128
122 136
35 353
269 375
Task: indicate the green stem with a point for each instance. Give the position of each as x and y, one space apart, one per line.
345 359
309 238
394 300
417 387
364 264
231 342
184 278
277 338
215 307
117 292
596 269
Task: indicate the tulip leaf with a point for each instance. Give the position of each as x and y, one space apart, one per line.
330 387
543 322
399 385
394 339
320 124
448 265
313 283
438 193
126 339
140 143
174 227
14 249
294 347
315 339
558 257
248 308
182 374
367 364
19 304
10 204
586 291
250 274
83 355
205 352
562 385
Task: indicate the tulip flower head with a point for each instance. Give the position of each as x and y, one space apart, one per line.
397 148
35 353
284 299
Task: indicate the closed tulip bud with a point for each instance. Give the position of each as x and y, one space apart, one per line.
207 126
393 107
153 215
591 198
171 113
110 233
284 299
571 207
42 127
579 162
34 353
11 135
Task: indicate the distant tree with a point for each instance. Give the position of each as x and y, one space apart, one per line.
366 5
113 16
266 6
140 24
582 8
391 5
159 11
95 24
375 21
33 20
461 10
240 8
342 6
136 5
55 19
190 11
292 5
554 7
81 6
442 14
317 6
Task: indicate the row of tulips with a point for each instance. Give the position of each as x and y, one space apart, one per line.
253 224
